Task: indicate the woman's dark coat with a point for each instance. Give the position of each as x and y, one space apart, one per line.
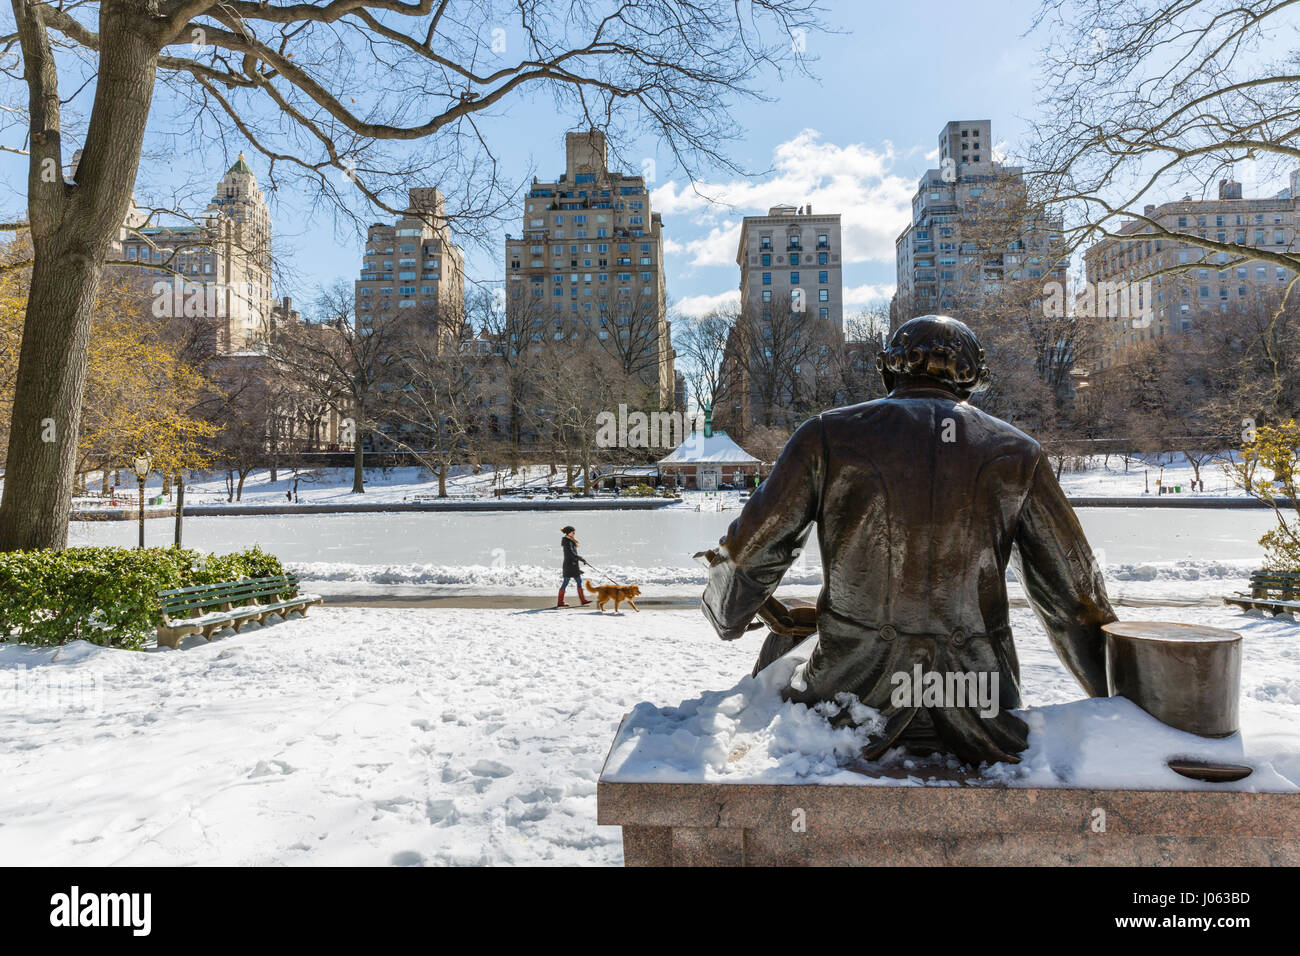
571 558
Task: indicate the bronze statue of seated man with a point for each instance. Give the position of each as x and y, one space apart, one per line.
920 500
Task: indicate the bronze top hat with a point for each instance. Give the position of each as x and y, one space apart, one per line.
1184 675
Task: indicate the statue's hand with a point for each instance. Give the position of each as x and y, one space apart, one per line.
708 558
804 616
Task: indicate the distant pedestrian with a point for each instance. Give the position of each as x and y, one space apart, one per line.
288 494
572 565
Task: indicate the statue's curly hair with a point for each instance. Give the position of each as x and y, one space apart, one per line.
938 349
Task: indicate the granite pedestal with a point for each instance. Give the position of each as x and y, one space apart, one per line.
945 823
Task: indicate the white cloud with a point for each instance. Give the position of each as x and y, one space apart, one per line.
858 296
700 304
854 180
717 248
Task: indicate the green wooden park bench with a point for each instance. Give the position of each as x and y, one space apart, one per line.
1263 586
208 608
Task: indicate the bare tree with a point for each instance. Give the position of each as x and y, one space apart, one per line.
1143 101
701 344
573 386
637 338
765 381
328 92
441 404
347 361
865 333
515 332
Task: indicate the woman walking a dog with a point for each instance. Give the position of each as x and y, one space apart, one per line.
572 566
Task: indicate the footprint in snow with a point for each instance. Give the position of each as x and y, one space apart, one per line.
270 768
490 768
441 811
407 858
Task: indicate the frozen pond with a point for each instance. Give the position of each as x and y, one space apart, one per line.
667 538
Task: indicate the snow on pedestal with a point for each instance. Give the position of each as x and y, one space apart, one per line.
740 776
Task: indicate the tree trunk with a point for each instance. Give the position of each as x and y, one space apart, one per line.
586 467
239 489
442 481
71 229
358 467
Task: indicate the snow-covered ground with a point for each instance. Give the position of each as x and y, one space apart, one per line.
334 485
1139 476
413 736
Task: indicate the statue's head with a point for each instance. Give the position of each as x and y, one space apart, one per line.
934 350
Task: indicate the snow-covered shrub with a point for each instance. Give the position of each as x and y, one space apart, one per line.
107 596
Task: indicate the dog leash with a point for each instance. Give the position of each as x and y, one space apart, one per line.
605 573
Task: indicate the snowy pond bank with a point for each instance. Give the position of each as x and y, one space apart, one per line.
1174 554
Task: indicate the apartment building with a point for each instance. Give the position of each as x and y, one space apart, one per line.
587 269
792 257
973 238
792 308
1143 287
216 269
412 268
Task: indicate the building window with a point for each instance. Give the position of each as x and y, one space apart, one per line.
767 278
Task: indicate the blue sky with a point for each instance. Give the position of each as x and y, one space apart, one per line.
853 139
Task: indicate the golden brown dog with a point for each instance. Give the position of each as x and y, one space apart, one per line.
616 593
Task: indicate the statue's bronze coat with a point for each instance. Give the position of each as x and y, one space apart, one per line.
920 500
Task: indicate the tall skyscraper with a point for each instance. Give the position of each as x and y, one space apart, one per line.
413 268
790 258
587 269
780 356
217 269
973 234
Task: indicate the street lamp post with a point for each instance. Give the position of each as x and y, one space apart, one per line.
180 505
143 462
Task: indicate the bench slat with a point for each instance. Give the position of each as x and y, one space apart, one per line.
227 589
200 588
230 594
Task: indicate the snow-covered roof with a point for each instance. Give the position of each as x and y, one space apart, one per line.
715 449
